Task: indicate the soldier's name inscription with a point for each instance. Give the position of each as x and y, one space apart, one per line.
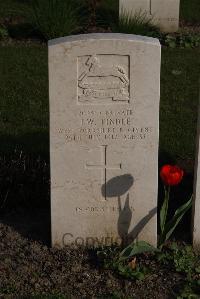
105 125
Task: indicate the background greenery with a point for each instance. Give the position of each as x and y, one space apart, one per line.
24 112
13 7
190 11
24 99
24 118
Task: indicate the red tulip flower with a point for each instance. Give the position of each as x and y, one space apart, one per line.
171 175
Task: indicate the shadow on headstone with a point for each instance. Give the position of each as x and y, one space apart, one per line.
116 187
140 225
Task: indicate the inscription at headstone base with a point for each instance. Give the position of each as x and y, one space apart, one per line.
164 13
104 109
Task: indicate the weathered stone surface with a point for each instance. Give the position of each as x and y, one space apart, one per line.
164 13
196 203
104 126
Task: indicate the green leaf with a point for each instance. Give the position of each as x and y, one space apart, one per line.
197 269
140 276
136 248
164 210
188 44
172 224
172 44
174 246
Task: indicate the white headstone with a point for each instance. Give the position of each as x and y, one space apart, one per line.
164 13
104 110
196 202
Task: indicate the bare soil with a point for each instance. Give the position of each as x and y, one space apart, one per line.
29 266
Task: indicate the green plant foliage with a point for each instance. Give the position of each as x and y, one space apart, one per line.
183 258
56 18
106 254
186 262
3 33
125 271
170 226
136 248
170 41
182 40
139 23
163 211
191 290
111 258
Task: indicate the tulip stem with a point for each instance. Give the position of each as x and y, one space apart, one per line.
164 210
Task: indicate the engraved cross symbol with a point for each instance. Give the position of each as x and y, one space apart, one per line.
104 166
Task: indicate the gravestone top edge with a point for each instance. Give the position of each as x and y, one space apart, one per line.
103 36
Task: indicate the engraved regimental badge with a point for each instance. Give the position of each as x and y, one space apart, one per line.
103 79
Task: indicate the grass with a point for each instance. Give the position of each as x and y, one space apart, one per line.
24 117
24 98
24 113
24 121
179 101
190 11
46 18
13 8
58 18
139 23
